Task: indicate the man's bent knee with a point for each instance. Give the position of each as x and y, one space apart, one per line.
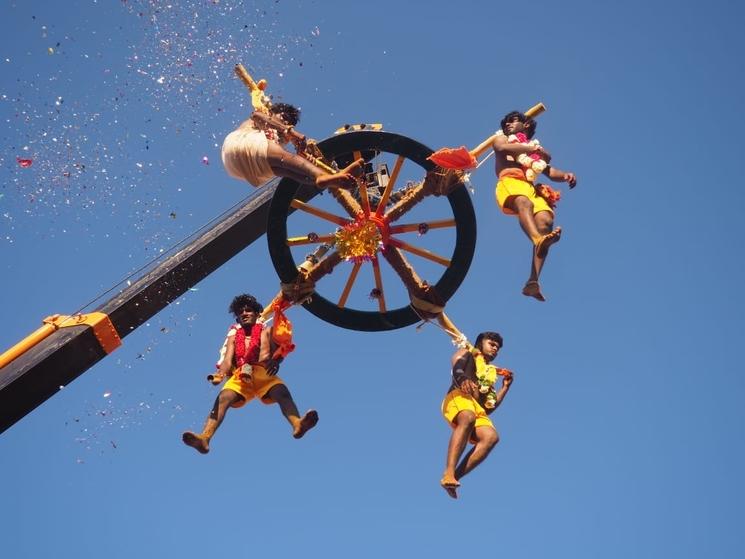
520 203
279 392
465 418
488 436
225 399
228 398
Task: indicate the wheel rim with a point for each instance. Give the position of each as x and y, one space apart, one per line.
339 147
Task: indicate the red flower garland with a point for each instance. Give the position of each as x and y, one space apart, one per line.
250 354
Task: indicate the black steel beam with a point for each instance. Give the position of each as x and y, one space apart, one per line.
38 374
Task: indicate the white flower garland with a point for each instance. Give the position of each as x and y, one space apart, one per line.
532 164
486 381
487 387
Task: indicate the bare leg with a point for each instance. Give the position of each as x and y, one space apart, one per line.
538 229
544 223
487 438
224 400
523 207
300 425
286 164
346 178
463 426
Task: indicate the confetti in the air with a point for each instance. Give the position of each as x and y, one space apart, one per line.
106 133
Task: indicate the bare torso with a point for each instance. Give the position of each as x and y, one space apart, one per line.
502 162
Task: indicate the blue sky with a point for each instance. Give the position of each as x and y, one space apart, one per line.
622 435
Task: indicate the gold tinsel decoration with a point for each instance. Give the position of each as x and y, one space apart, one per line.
358 241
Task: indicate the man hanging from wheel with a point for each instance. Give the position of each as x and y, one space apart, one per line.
254 151
468 404
519 160
251 356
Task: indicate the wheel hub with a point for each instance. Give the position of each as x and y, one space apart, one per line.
361 239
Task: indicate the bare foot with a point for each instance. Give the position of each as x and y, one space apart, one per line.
450 485
541 247
307 423
532 289
196 441
346 178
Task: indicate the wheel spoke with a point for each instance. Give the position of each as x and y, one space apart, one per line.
349 284
411 227
424 253
389 187
410 199
411 280
347 201
306 240
323 268
318 212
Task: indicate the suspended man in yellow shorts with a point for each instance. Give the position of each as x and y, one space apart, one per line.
248 358
470 400
516 195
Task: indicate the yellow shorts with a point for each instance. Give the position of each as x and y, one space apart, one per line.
507 187
456 402
257 385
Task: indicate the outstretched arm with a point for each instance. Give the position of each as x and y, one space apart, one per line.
558 175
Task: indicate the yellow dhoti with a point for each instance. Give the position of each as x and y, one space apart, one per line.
510 185
256 385
456 401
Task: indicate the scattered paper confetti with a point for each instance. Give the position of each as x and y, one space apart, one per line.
78 159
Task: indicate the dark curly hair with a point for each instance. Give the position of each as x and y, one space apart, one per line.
494 336
245 300
530 124
287 112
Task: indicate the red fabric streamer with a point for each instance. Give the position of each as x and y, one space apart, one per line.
454 158
282 329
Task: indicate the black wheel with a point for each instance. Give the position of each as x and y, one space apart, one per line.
409 159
